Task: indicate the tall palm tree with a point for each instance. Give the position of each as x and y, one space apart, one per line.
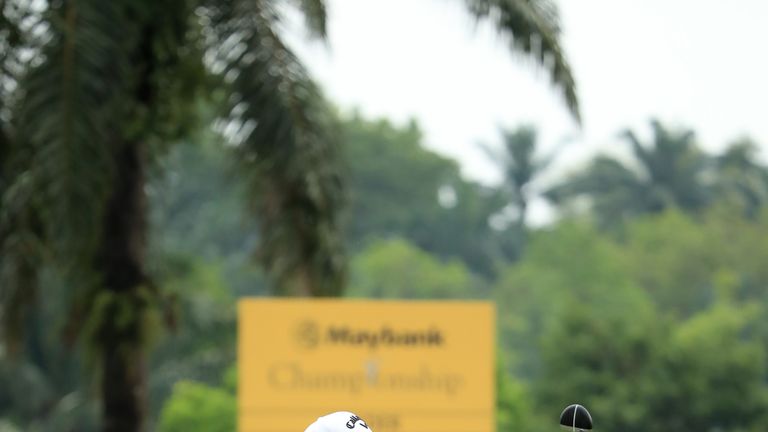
668 172
520 166
93 91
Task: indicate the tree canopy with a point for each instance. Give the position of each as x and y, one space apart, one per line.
151 152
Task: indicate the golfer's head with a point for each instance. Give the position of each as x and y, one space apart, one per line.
341 421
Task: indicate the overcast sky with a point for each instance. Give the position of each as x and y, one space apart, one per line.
695 63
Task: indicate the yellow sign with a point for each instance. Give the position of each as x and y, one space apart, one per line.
401 366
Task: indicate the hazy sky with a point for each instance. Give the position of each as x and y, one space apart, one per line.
695 63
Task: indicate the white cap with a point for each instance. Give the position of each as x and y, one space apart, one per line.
341 421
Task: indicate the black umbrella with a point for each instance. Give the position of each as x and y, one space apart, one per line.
576 418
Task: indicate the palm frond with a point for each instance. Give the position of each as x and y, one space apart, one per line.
315 16
22 33
168 58
520 145
5 148
740 176
603 175
613 191
60 161
534 29
20 250
69 101
642 154
19 265
281 125
740 155
17 282
10 37
674 165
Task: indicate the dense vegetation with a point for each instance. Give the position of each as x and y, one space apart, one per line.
93 96
654 319
129 228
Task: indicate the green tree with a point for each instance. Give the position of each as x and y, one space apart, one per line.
80 174
393 179
198 216
513 406
604 359
568 267
681 260
198 407
395 188
713 374
395 268
674 259
108 86
637 372
667 173
660 329
741 179
201 344
520 166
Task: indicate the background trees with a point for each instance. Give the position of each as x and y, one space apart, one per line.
125 217
668 172
94 93
639 323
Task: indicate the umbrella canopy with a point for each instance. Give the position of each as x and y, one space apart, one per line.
576 418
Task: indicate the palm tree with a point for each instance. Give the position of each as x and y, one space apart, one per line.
520 166
668 172
93 91
741 178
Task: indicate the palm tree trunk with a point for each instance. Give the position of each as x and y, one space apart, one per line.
519 231
121 262
124 362
522 220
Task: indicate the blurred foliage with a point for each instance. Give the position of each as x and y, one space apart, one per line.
94 93
655 321
399 188
702 255
639 373
395 268
668 172
714 375
568 267
520 168
742 181
513 404
202 344
195 406
645 301
532 27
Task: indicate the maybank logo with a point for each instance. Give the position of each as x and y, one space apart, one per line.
307 334
310 335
